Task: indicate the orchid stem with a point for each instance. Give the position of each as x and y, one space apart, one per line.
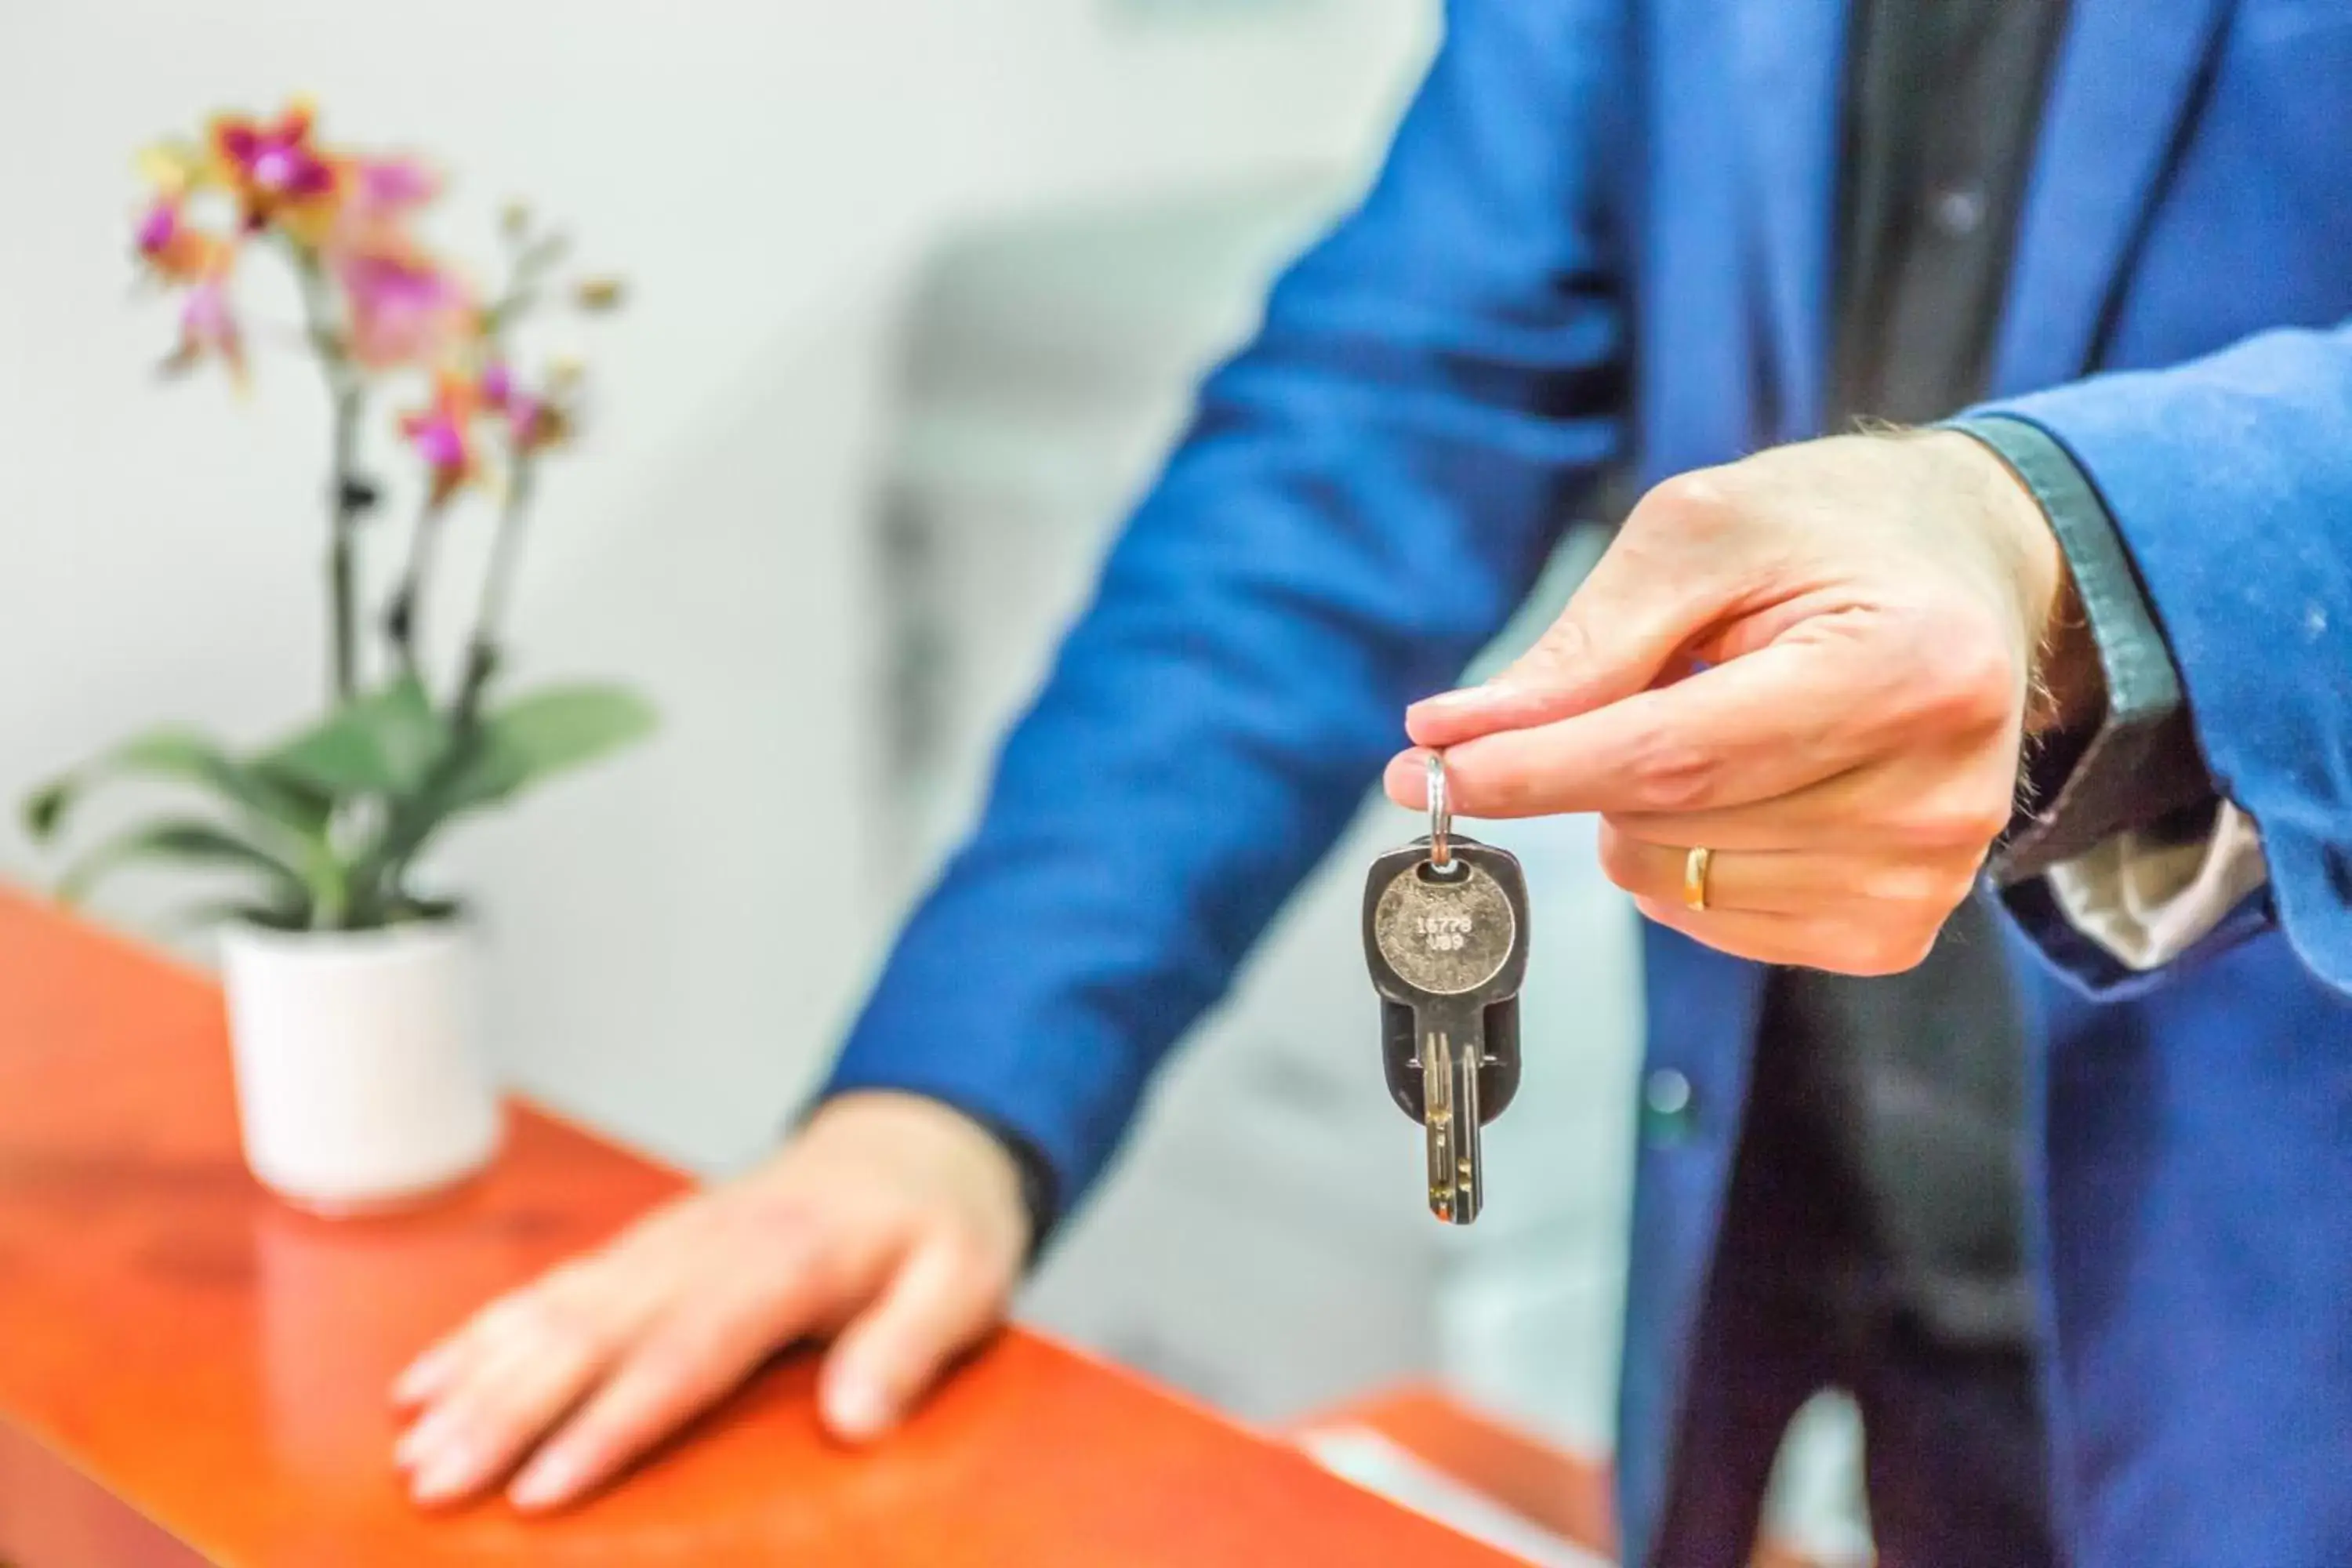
343 568
497 588
350 494
404 618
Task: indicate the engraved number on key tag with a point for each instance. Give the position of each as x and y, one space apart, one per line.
1445 935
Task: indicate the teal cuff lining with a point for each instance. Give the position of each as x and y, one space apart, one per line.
2143 687
2141 765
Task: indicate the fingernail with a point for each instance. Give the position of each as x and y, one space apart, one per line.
856 1409
551 1478
416 1442
415 1383
1457 700
443 1477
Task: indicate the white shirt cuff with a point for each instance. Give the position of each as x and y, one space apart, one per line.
2148 899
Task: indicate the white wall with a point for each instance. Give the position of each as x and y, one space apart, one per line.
770 176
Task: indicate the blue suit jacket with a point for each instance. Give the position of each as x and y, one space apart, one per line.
1604 234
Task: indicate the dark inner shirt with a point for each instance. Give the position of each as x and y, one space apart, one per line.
1943 103
1897 1101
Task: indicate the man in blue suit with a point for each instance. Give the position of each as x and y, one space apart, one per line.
2112 237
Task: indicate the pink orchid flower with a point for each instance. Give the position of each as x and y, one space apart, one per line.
209 330
392 185
533 421
405 309
278 175
176 249
380 196
442 433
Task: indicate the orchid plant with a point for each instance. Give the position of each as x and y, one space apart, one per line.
326 825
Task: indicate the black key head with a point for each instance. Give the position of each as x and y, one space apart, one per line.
1448 945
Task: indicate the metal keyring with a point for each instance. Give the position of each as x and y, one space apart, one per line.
1441 815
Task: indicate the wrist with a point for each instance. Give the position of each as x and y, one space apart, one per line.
2068 692
2065 689
992 1160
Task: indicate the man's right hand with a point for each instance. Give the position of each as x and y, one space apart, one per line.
891 1223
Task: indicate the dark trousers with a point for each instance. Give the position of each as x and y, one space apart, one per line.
1956 1457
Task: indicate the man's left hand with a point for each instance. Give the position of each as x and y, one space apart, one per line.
1820 663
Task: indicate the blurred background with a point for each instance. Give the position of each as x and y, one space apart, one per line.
920 288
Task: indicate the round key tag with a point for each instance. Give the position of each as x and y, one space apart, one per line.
1446 934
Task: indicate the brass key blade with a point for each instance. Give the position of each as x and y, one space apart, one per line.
1469 1188
1437 1080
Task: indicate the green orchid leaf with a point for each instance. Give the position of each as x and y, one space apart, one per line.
184 842
525 742
180 756
327 886
536 737
405 908
236 912
385 743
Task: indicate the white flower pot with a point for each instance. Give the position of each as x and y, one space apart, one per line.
361 1082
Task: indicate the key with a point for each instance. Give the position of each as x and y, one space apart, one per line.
1445 937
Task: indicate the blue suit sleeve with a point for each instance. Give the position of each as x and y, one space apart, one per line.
1365 492
2229 481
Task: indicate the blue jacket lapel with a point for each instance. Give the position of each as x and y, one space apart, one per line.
1789 56
2122 86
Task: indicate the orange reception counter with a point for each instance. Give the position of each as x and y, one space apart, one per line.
190 1372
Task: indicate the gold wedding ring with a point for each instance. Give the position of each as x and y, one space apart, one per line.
1694 869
